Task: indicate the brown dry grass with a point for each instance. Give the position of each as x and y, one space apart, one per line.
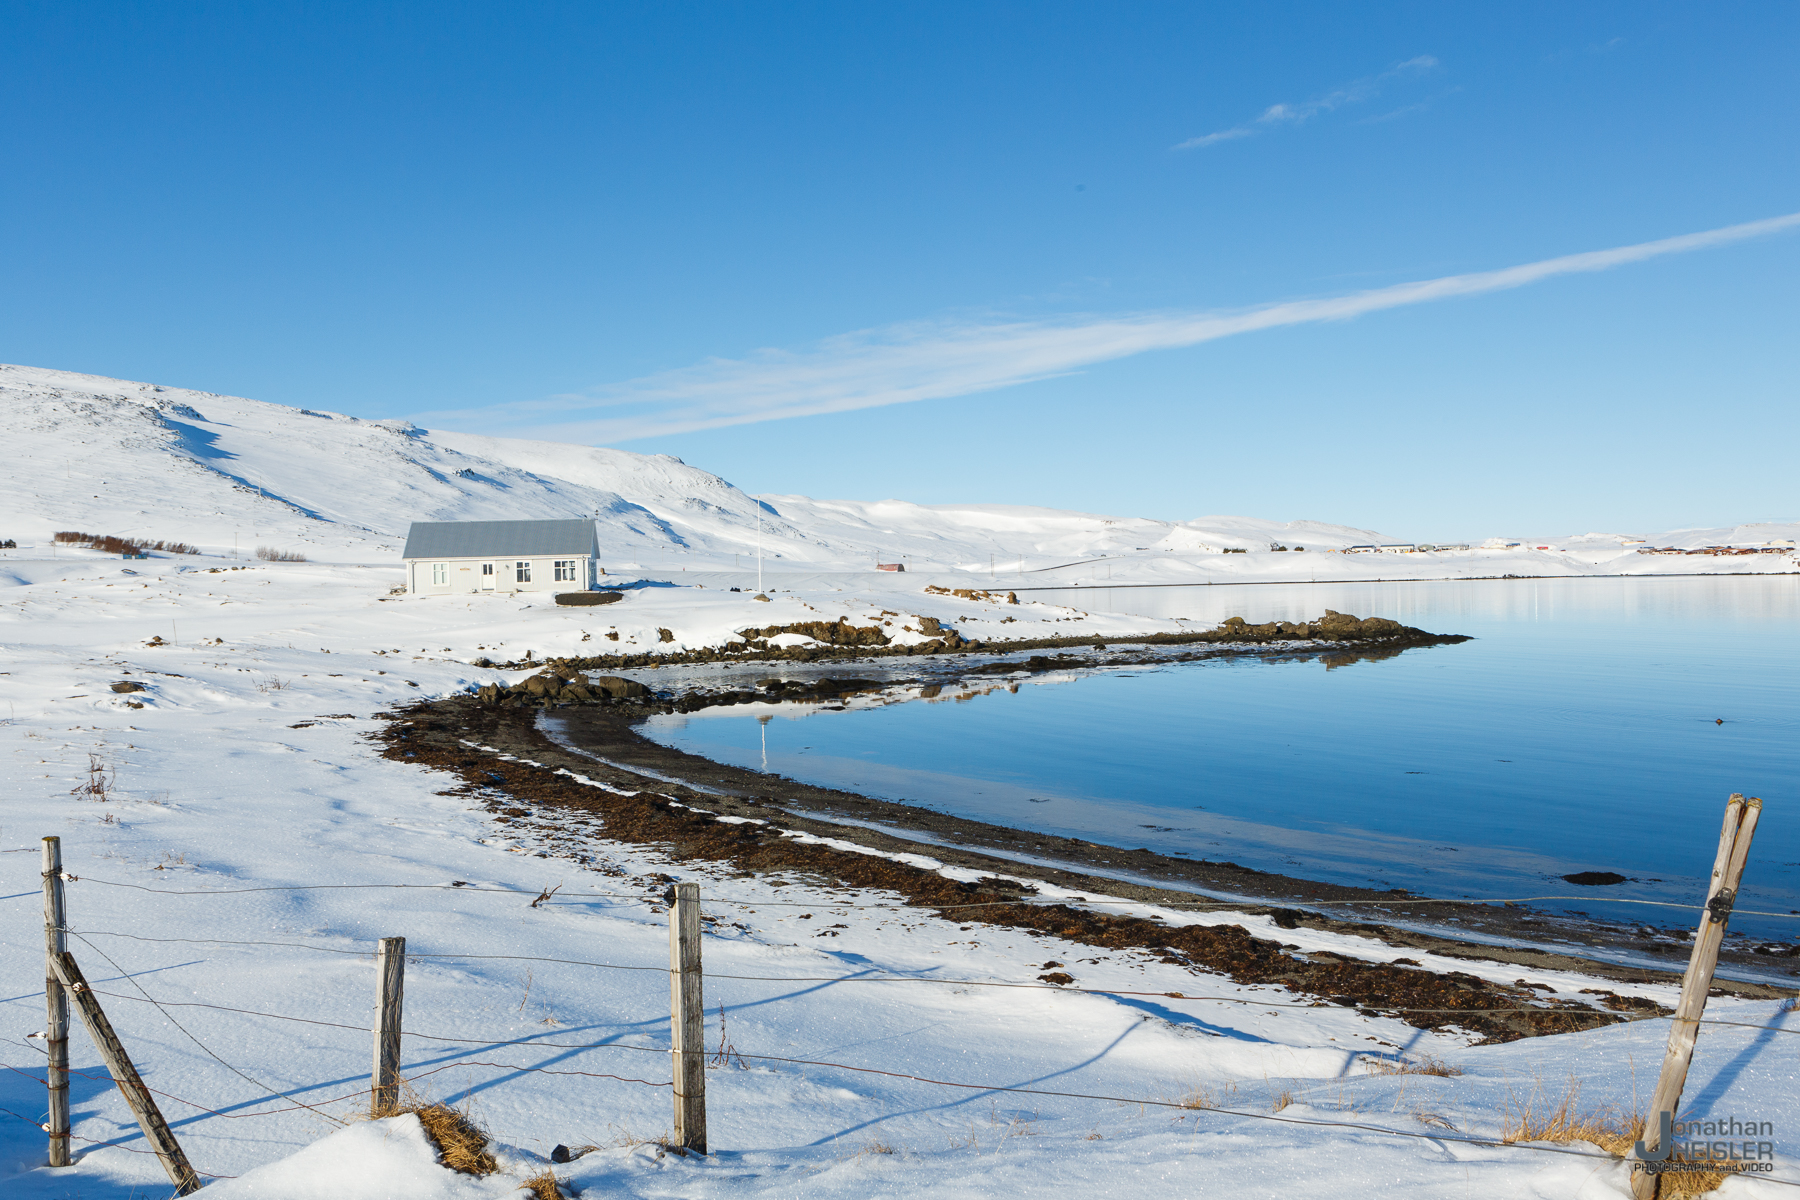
462 1145
1202 1096
543 1186
271 554
1607 1127
1424 1064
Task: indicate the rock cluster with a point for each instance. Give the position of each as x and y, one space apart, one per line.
841 633
562 683
992 597
1369 636
1332 627
833 633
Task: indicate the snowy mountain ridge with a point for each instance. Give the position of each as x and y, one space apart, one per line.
225 473
198 467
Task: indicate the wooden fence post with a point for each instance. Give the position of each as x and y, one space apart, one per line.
1721 893
56 1003
687 1019
137 1096
390 983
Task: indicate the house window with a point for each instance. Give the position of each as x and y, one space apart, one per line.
440 573
487 568
565 570
523 572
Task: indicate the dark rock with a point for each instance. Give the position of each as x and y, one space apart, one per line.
126 685
617 686
1595 878
833 633
574 599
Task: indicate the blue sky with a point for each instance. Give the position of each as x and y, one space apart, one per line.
666 226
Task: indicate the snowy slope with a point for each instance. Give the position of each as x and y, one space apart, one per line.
133 459
109 456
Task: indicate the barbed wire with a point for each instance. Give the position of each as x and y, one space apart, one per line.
90 1141
536 1071
190 1037
1040 901
910 1076
1247 1002
1582 1010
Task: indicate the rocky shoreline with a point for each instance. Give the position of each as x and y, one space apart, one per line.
569 680
701 810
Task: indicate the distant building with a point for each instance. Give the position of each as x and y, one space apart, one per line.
1362 549
1397 548
890 566
445 557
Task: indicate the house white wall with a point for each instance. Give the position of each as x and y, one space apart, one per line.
446 576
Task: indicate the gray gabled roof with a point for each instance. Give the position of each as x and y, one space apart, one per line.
500 539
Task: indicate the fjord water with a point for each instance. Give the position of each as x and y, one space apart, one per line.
1578 732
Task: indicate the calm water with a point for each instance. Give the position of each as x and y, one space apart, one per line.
1578 732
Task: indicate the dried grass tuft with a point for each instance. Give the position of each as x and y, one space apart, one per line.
1424 1064
1606 1127
1565 1120
1202 1096
271 554
462 1145
543 1186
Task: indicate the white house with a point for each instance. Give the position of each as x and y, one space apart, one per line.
443 557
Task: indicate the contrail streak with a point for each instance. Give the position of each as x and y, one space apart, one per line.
935 360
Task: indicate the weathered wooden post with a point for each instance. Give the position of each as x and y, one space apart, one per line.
131 1086
1721 893
56 1003
390 983
687 1019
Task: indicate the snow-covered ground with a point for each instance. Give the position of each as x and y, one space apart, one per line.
251 846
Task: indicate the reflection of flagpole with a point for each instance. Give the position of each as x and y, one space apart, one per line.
764 722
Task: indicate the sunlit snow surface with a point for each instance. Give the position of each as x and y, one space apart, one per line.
248 767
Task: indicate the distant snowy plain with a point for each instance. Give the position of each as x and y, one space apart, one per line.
244 764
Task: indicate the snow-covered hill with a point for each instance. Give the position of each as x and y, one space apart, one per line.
117 457
227 474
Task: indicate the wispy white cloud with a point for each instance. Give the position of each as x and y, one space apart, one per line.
1293 114
933 360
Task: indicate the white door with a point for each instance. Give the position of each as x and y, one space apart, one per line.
487 577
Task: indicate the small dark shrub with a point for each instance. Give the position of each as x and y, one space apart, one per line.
107 544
